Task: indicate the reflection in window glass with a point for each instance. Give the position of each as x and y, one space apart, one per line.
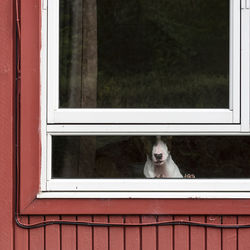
144 54
150 157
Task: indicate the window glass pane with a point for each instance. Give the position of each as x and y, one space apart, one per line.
150 157
144 54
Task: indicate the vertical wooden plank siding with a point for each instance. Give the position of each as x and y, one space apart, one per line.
181 235
149 234
132 234
52 234
229 236
22 236
214 234
244 234
6 122
197 234
101 234
65 237
36 235
68 235
165 234
116 234
84 234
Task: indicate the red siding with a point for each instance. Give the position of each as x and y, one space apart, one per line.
116 235
152 238
64 237
6 122
198 235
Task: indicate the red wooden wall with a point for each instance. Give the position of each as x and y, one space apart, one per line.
64 237
6 122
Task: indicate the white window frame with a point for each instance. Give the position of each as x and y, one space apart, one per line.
141 116
63 122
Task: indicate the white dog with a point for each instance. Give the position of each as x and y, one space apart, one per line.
162 164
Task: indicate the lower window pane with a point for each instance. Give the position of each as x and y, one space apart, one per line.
150 157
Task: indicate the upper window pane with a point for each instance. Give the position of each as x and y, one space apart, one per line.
144 54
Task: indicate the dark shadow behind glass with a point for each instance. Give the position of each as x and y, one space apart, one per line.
144 54
125 156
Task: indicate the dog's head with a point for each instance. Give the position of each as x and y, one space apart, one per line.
150 146
160 153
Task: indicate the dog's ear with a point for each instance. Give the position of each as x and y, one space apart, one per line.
147 145
168 140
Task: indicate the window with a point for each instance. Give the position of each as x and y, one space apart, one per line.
118 77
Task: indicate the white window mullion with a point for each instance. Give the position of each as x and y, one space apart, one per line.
53 58
150 116
234 69
133 130
43 89
245 67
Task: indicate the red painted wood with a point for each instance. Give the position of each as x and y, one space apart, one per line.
132 234
137 206
21 235
149 234
214 234
101 241
165 234
197 234
181 235
68 235
52 235
30 88
36 240
244 234
229 236
84 234
6 122
116 234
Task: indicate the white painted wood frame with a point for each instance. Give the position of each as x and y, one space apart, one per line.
142 116
54 122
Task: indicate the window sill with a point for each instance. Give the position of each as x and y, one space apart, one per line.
144 195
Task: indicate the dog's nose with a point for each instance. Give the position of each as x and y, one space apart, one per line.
158 156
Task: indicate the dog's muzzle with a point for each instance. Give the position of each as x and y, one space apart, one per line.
158 163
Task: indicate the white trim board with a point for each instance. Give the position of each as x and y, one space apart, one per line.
144 195
149 185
